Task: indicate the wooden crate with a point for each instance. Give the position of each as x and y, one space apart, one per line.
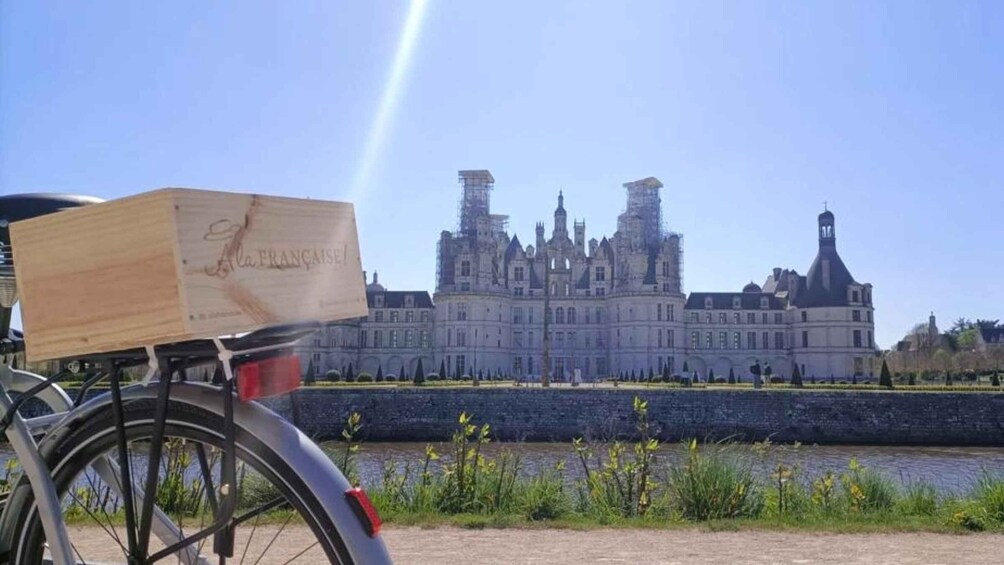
177 264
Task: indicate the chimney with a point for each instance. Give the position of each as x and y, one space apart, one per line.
593 245
777 274
376 279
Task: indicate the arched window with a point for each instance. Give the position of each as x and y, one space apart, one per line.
571 314
559 315
567 289
554 288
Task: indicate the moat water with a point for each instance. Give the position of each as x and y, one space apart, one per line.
950 469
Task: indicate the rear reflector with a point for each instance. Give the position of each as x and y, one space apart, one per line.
364 510
269 377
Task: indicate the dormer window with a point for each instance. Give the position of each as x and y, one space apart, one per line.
736 304
378 301
409 301
465 268
763 303
854 296
707 303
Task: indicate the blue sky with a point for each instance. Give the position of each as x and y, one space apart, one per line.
752 115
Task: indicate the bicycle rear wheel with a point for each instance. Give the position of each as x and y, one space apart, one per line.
278 520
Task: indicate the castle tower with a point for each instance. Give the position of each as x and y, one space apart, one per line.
560 219
540 236
580 236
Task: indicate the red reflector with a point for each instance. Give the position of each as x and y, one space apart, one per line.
269 377
364 510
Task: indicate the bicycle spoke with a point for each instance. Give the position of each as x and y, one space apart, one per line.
99 523
275 537
309 547
247 544
114 534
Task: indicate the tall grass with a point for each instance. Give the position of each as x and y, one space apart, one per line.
712 485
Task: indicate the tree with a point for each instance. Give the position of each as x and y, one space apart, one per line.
308 377
379 375
995 380
685 368
966 340
634 377
796 376
477 379
732 376
442 369
665 374
350 375
948 378
959 326
987 324
911 379
885 378
650 374
711 375
419 373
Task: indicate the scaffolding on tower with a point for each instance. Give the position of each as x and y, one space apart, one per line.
644 202
475 201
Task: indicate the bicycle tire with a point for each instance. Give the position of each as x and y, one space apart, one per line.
70 448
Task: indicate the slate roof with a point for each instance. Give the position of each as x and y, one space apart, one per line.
992 335
583 282
815 293
513 248
723 300
395 298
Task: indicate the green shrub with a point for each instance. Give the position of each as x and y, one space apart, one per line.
866 490
333 375
543 496
364 378
390 378
714 485
432 377
919 499
776 380
988 497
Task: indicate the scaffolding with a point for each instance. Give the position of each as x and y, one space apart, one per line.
643 201
475 202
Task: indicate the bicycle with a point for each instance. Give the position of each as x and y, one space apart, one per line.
138 460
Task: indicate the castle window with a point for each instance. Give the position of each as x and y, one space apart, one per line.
517 339
707 303
395 316
409 338
462 311
695 317
665 268
670 312
424 339
559 315
425 315
659 331
737 318
377 338
763 303
670 338
409 301
805 338
723 340
461 338
723 318
554 288
465 268
465 286
378 316
854 296
778 318
765 342
571 315
709 341
666 287
695 340
378 301
750 318
518 291
805 316
778 340
567 289
658 312
517 315
363 341
857 338
393 338
599 315
856 315
869 315
736 303
601 291
409 316
517 274
737 340
601 273
707 317
763 319
529 315
750 340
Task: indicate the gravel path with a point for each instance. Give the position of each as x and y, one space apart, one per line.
418 546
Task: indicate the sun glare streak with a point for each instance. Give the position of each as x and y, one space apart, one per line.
388 101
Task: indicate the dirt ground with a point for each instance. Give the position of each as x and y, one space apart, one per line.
418 546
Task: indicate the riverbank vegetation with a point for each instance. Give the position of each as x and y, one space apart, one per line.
628 484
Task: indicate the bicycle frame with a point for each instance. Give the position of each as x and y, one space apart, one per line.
21 433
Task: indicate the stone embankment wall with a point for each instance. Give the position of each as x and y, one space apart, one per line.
843 417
